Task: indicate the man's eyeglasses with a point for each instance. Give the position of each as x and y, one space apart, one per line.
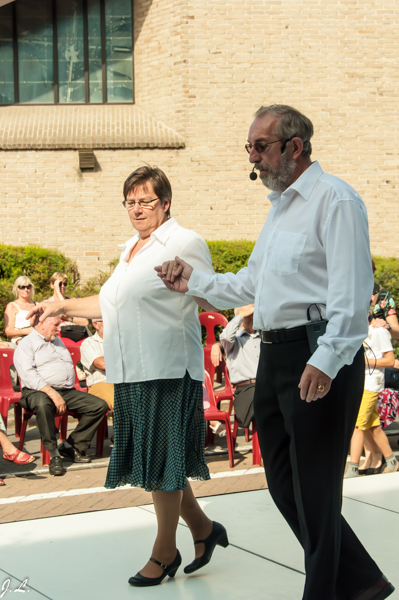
143 203
260 147
25 287
63 283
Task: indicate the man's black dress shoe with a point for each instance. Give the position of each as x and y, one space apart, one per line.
56 467
73 454
218 537
379 591
141 581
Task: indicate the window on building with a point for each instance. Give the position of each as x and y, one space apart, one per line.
66 51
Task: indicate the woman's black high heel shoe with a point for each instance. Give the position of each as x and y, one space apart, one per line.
141 581
218 537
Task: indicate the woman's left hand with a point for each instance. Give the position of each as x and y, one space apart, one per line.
175 274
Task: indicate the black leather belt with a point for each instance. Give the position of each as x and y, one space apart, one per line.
279 336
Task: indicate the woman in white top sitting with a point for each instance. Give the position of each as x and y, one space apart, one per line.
15 323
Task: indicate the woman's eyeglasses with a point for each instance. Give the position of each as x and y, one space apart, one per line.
142 203
63 283
25 287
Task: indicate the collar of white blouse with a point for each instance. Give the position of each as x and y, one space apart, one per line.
161 234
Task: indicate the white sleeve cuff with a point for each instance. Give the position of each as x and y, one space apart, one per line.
326 361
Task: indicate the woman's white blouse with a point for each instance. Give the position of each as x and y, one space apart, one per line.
149 331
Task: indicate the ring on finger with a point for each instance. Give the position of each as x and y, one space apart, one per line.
321 388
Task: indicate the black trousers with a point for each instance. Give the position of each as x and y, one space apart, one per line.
304 448
90 407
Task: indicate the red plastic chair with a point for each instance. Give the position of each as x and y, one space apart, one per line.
7 394
67 342
74 351
102 430
256 454
209 320
226 393
214 414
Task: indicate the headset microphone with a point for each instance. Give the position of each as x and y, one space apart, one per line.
253 176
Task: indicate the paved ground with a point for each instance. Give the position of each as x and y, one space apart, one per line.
31 493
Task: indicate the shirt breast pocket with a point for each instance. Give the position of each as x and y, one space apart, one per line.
286 251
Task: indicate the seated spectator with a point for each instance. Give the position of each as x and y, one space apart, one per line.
242 347
10 452
92 359
47 377
15 324
378 354
59 283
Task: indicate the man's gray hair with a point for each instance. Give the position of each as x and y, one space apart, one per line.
291 124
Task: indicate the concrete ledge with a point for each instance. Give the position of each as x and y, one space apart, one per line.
56 127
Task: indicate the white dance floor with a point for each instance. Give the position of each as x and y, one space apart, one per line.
92 555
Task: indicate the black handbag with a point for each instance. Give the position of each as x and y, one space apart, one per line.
392 379
76 333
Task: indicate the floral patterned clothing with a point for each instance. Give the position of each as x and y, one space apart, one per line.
385 305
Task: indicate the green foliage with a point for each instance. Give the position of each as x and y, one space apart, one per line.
36 263
387 275
92 286
228 257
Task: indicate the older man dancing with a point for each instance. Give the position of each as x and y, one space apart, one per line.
47 375
313 249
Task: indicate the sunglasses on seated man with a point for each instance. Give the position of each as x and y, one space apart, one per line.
25 287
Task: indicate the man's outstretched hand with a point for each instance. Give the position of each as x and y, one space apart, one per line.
175 274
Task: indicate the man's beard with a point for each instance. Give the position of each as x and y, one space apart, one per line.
278 180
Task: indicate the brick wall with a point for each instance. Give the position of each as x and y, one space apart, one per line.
203 69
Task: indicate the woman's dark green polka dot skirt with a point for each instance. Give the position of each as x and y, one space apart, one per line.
159 435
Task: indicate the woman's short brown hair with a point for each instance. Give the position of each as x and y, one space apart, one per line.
159 181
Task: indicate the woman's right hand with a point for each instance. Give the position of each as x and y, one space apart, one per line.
175 274
42 311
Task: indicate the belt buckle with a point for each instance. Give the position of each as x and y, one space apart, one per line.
262 338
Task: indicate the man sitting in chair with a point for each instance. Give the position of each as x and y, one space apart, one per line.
242 346
47 377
